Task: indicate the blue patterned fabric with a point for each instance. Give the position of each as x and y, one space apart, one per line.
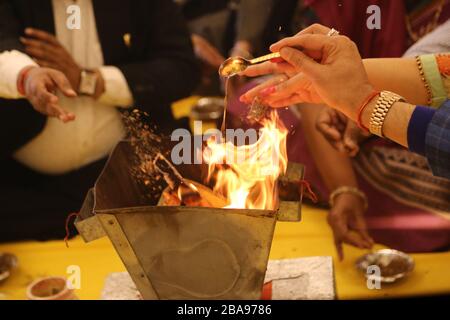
417 128
437 141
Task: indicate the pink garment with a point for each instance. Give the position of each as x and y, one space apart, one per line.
349 17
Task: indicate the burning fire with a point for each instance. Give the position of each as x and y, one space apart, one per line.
247 175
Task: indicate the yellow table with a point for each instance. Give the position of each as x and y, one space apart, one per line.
311 237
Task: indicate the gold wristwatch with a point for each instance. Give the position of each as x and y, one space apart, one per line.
384 104
88 82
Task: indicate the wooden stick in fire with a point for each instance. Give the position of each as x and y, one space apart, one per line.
187 192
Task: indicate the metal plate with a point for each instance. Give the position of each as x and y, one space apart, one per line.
394 265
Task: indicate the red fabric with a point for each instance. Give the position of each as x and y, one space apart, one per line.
349 17
267 291
443 61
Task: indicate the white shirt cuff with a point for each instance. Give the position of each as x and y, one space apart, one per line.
11 63
117 93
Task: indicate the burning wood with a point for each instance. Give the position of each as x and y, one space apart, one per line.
168 171
182 191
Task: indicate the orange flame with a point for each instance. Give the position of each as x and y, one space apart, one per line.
247 175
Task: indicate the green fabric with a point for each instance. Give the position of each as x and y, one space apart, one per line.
434 80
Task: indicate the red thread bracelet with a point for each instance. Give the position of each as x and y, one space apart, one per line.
21 80
363 106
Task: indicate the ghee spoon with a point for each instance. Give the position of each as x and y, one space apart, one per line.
235 65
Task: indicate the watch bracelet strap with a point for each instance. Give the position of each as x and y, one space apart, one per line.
384 103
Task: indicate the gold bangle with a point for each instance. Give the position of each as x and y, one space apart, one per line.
347 189
424 80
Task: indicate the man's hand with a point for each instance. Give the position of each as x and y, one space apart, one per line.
40 86
342 133
206 52
346 219
49 53
242 48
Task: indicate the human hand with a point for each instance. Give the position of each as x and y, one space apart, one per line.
343 134
346 219
242 48
40 85
206 52
328 70
281 66
49 53
280 93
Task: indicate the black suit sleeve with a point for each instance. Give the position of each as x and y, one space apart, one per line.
170 70
19 122
10 28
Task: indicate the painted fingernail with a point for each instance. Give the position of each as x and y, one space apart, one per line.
267 91
243 99
277 60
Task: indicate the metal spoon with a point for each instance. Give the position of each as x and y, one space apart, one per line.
235 65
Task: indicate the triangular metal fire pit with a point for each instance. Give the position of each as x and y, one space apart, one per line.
184 252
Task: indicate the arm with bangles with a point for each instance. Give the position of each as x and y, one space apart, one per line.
423 82
420 86
330 70
399 75
346 215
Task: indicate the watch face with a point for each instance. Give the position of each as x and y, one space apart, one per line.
88 82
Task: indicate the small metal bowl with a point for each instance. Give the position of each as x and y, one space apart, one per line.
394 265
8 262
208 109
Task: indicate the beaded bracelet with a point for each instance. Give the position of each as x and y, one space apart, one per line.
424 80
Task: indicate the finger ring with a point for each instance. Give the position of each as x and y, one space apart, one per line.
332 32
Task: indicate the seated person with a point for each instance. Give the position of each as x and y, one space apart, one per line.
123 54
391 218
222 28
